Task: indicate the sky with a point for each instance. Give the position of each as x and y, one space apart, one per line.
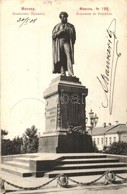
26 58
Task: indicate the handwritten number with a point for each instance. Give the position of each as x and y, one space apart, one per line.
25 21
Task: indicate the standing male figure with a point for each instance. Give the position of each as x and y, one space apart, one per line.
64 37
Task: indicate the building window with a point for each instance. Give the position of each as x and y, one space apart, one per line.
110 140
102 140
114 139
97 140
106 141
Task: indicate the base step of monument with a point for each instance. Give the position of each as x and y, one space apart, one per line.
16 170
90 166
83 156
50 165
88 160
84 172
23 159
18 164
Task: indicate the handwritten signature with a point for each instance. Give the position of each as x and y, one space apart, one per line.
107 80
25 21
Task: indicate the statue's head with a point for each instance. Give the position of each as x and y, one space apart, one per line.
63 16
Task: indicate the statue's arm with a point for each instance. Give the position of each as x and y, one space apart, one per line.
57 33
74 35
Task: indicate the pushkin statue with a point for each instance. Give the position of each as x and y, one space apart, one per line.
63 36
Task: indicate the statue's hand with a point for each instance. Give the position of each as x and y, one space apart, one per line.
54 36
59 33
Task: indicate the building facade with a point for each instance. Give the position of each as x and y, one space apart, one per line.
105 136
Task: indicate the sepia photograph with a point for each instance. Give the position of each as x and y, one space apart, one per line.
63 96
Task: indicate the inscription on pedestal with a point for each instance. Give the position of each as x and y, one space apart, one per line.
51 114
73 109
73 98
65 104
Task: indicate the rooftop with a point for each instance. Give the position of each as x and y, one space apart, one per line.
110 129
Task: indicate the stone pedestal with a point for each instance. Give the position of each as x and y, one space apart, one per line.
64 109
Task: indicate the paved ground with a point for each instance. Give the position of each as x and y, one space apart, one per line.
73 188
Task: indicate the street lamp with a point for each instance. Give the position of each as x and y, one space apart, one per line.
93 120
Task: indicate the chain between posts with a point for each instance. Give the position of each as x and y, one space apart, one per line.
28 188
63 181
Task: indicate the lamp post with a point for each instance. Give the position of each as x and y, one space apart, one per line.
93 120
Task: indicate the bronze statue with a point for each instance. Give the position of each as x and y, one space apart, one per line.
63 37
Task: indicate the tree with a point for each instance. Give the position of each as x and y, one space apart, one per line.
30 140
117 148
17 144
95 149
10 147
5 143
3 133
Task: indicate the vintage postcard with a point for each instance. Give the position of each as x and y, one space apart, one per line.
81 41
